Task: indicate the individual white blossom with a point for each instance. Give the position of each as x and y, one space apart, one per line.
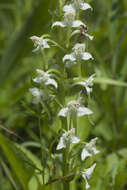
72 107
40 43
89 149
83 32
87 174
78 54
79 4
44 77
67 138
69 18
69 9
37 94
87 84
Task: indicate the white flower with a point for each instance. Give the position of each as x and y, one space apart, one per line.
87 84
78 53
83 32
74 107
40 43
37 95
89 149
79 4
67 138
87 174
69 9
44 77
69 18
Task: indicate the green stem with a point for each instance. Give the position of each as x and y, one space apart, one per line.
77 16
45 61
60 6
79 70
74 119
40 132
68 38
70 121
46 109
66 166
89 117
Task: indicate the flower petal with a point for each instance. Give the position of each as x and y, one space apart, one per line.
87 174
38 79
89 36
75 140
75 32
58 23
86 56
77 23
69 57
36 49
80 83
34 91
37 94
85 6
61 144
87 184
83 111
88 89
95 151
45 44
89 171
85 154
64 112
51 82
69 9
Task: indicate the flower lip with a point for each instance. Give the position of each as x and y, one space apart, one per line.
89 149
79 4
69 9
87 84
40 43
37 94
78 53
74 107
87 174
45 78
67 138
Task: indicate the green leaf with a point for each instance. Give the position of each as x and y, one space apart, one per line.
109 81
22 170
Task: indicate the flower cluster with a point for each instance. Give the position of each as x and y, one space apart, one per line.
43 77
75 108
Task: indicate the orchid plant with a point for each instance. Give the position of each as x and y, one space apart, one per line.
69 148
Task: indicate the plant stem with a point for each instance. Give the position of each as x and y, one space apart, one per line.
65 166
74 119
70 121
68 38
40 131
46 109
79 70
45 61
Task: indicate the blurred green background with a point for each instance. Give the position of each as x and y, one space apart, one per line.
20 19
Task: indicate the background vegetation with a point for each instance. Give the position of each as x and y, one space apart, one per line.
19 137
